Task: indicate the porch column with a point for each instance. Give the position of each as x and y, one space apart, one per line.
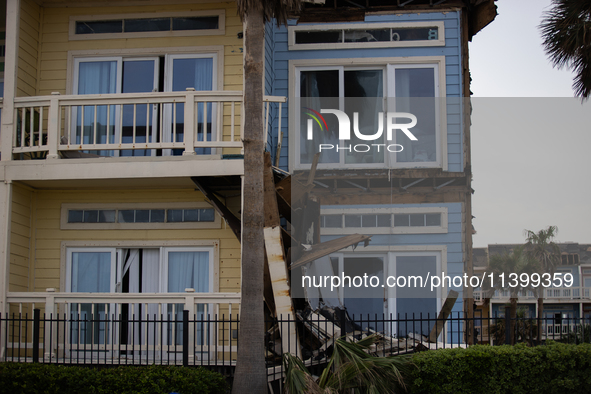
13 8
5 217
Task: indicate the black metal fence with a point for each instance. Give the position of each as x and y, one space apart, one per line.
212 340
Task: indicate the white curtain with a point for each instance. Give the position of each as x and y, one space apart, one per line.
91 272
187 270
96 78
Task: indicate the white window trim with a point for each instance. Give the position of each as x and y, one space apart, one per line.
221 30
291 30
442 229
215 51
67 246
64 225
389 254
68 261
296 65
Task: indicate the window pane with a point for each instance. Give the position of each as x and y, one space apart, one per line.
352 220
318 37
126 216
433 219
91 216
369 220
417 219
401 220
415 34
157 216
196 23
364 91
384 220
142 216
318 90
191 215
91 272
415 92
75 216
206 215
106 216
175 215
152 24
333 221
188 270
98 27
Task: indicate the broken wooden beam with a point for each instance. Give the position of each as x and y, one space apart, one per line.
325 248
278 271
448 305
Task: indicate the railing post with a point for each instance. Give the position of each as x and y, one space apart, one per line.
50 327
189 127
53 126
508 332
36 333
185 338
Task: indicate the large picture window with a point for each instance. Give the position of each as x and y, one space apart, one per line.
367 90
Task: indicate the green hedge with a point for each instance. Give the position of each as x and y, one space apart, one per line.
552 368
50 379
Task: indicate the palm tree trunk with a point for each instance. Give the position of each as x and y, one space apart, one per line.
513 318
251 375
540 316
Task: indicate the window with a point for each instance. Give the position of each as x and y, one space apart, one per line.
368 302
147 215
141 123
134 269
163 24
371 89
366 35
337 221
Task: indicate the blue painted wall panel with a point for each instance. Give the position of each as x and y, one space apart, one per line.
451 51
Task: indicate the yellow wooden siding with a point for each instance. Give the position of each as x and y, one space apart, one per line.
55 42
28 48
20 239
49 236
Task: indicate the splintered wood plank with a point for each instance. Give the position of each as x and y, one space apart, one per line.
278 271
325 248
452 296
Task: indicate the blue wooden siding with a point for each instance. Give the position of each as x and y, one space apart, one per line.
452 240
277 82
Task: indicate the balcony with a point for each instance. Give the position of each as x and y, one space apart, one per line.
190 123
122 328
575 293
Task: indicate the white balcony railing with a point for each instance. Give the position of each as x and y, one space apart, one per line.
133 124
142 325
550 293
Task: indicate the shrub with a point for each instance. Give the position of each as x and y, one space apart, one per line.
50 379
552 368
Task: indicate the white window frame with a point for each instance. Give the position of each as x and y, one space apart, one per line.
291 31
101 246
388 63
442 229
70 251
64 225
220 13
389 254
164 263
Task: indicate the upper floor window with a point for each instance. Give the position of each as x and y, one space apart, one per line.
84 27
368 93
366 35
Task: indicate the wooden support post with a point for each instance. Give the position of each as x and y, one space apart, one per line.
443 315
277 265
221 209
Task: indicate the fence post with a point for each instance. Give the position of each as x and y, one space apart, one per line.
508 332
185 338
344 324
36 333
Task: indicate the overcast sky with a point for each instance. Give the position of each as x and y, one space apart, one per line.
530 156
